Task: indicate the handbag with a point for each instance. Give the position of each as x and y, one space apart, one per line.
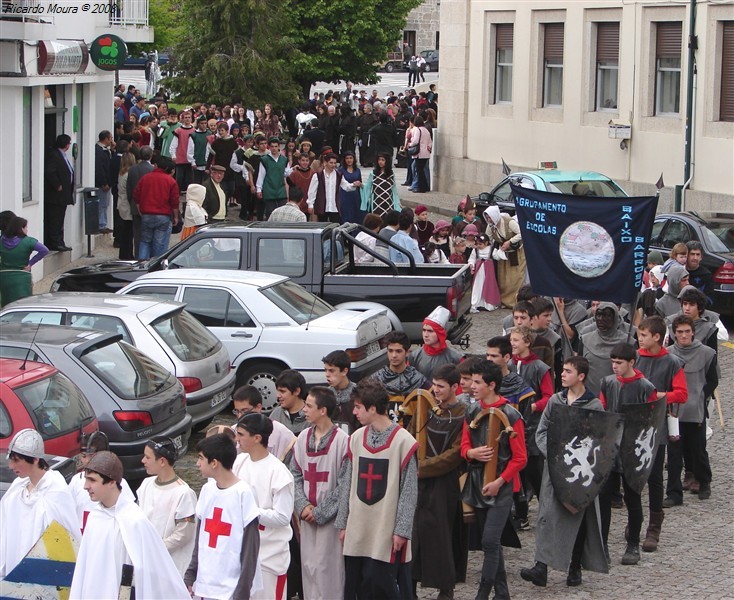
414 150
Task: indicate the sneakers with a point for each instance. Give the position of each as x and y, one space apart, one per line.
671 502
523 524
538 575
631 555
574 576
704 493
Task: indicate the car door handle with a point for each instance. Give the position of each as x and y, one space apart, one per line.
243 334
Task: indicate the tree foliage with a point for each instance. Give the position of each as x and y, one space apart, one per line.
164 18
234 50
344 39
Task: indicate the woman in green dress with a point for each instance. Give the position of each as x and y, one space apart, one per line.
16 248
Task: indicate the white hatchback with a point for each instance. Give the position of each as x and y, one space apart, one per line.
269 323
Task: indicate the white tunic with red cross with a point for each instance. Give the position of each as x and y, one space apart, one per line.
223 515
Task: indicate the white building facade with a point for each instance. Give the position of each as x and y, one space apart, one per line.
40 101
543 80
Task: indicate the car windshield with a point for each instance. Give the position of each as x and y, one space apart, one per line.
127 371
295 301
719 236
188 338
56 404
599 189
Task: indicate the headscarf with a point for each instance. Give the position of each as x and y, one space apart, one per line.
492 214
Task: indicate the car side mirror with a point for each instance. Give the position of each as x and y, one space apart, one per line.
164 264
484 197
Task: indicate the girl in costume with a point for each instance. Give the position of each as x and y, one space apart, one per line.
485 294
380 193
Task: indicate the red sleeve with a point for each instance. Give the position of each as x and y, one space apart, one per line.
653 396
603 400
465 441
679 392
546 391
519 454
173 197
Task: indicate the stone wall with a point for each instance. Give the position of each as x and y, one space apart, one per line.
425 21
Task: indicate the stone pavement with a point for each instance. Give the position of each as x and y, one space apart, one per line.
697 541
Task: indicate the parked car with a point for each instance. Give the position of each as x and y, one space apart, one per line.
38 396
163 329
318 256
393 62
133 397
548 180
139 61
431 58
269 323
63 464
715 231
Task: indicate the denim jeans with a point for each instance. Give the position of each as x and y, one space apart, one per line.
104 204
155 233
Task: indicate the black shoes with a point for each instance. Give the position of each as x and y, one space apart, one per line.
574 576
631 555
671 502
704 492
538 575
59 248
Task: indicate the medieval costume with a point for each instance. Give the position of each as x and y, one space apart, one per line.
84 504
484 292
669 303
378 485
511 272
380 194
122 535
427 359
439 541
316 471
400 384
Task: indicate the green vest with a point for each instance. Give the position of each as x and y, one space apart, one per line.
273 186
167 138
201 141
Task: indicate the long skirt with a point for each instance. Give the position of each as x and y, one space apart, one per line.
511 277
485 293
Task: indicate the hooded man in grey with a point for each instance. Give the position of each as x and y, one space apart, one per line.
677 279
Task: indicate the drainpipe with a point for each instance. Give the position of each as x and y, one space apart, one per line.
690 108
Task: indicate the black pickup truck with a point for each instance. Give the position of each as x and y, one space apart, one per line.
318 256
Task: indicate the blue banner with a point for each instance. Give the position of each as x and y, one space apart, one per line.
585 247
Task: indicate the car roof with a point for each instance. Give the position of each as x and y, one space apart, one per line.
308 226
252 278
15 372
101 303
52 335
702 217
553 175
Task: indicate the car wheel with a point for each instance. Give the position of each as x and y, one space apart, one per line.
262 375
389 67
428 68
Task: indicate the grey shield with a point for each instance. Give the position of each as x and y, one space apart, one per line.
582 447
642 426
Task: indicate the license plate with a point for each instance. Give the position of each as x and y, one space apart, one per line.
178 442
373 347
219 398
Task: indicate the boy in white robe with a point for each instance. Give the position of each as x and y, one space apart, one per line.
272 484
168 501
318 458
117 534
225 559
91 443
35 498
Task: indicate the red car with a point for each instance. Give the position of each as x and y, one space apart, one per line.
39 396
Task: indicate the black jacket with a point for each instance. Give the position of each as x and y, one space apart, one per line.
102 160
57 174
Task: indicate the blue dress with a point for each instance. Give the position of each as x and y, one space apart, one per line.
349 202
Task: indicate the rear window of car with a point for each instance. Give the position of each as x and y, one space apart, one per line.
295 301
720 236
56 405
188 338
600 189
129 373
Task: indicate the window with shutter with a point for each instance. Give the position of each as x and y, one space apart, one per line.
668 40
726 110
553 64
503 63
607 66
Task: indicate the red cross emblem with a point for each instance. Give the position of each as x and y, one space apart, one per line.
216 527
372 481
313 476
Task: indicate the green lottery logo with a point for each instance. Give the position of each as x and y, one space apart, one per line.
108 47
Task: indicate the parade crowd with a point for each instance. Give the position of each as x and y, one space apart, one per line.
368 489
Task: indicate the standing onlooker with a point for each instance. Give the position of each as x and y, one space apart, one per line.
102 177
125 225
135 174
291 211
421 69
16 248
421 137
157 198
350 202
195 215
59 177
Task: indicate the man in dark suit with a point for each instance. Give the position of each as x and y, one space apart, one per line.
102 177
133 177
59 193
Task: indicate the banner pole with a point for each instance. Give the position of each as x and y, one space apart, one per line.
564 335
632 315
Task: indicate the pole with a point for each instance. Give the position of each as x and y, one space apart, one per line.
692 46
718 408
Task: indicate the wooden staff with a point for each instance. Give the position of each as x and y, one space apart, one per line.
718 408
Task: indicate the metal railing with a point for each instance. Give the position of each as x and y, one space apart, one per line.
129 12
